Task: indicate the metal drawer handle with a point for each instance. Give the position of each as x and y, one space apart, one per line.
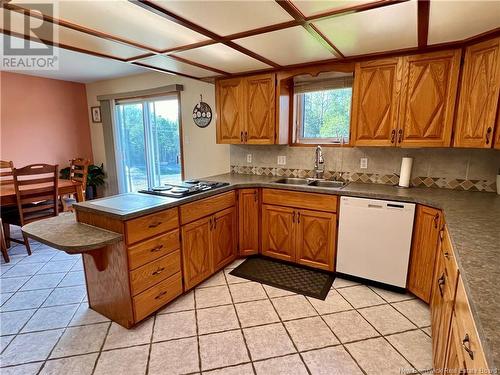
436 221
298 217
293 217
466 346
154 225
447 255
393 135
157 248
158 271
488 132
400 132
160 295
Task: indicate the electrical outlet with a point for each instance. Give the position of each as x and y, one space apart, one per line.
249 158
282 160
363 163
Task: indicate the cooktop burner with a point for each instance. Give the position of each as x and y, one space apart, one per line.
183 189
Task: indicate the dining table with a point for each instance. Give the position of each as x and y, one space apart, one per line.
8 193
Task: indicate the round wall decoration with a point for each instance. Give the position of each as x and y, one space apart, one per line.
202 114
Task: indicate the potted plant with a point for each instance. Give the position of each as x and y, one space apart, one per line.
95 178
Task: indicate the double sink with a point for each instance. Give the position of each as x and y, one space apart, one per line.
310 182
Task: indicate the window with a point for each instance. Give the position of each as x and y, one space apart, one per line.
322 109
148 142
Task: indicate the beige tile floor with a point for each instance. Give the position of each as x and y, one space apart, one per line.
226 326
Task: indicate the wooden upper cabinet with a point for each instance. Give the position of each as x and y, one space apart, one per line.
278 240
260 109
224 237
428 99
315 246
248 221
423 251
230 110
377 88
479 92
196 252
246 110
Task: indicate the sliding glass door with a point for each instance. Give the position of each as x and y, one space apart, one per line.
148 145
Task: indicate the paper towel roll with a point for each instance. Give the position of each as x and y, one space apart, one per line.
405 174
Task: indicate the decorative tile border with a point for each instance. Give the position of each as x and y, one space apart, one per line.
372 178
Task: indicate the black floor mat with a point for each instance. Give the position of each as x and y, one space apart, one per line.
297 279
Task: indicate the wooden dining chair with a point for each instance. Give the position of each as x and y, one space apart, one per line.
3 244
36 195
6 178
78 172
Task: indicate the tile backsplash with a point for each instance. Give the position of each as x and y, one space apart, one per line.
461 169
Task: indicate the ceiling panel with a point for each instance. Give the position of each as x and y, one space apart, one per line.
74 38
228 17
223 57
456 20
164 62
357 33
286 47
78 67
123 19
312 8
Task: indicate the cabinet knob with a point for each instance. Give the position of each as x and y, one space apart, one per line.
441 282
154 225
436 221
293 217
158 271
400 135
393 135
160 295
241 136
157 248
488 133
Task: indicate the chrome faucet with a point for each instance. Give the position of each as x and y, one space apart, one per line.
319 163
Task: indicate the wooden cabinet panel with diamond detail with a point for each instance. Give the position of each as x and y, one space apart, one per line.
316 239
278 234
260 109
479 92
230 110
224 238
428 99
196 252
377 86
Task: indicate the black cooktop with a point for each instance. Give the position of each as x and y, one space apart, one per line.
184 188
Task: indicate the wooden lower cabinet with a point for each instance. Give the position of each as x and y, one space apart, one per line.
248 223
223 238
423 251
302 236
278 239
196 251
315 244
208 244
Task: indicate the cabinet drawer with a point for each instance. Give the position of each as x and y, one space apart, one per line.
152 249
469 339
151 225
311 201
208 206
152 273
450 263
152 299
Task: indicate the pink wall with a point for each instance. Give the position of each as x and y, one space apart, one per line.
43 120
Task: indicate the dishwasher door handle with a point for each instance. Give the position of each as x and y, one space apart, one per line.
375 205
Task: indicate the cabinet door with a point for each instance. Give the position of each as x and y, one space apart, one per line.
260 109
278 235
479 95
454 362
428 99
423 251
377 88
230 110
196 252
224 237
316 239
249 221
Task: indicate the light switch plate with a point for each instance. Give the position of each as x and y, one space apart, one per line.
249 158
282 160
363 163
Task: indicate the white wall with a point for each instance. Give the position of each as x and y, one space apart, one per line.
202 156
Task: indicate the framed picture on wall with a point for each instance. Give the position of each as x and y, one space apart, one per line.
96 114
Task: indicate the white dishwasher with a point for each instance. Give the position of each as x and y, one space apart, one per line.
374 239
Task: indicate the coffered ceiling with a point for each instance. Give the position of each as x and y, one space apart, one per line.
206 39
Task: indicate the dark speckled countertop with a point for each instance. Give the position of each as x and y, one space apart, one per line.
473 221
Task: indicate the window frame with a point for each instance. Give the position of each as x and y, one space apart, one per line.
297 124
